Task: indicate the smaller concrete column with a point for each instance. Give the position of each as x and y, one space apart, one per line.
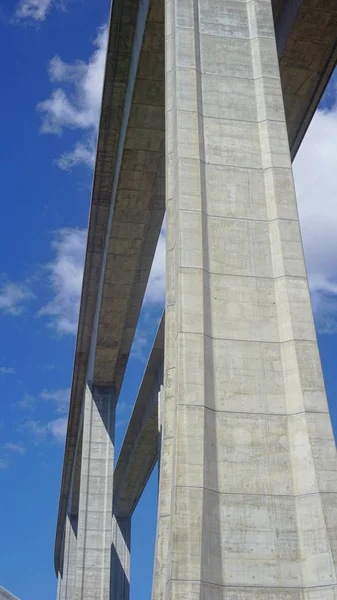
67 586
94 533
120 559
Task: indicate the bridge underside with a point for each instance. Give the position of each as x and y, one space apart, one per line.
127 210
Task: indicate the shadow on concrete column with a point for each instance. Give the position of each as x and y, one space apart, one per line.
120 559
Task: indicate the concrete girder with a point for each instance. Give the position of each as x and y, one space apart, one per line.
306 35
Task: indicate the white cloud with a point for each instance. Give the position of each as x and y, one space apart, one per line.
13 298
83 153
7 371
58 429
18 448
3 464
76 103
139 346
316 187
55 429
60 397
155 290
34 428
65 280
33 9
28 402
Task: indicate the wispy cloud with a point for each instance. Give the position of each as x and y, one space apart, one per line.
316 186
76 103
7 371
60 398
58 429
17 448
28 402
13 298
35 10
3 463
34 428
139 346
51 428
55 429
155 291
65 280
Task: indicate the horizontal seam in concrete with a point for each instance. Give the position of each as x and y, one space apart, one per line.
227 218
230 165
206 72
223 119
272 496
226 37
255 586
222 76
256 414
221 339
182 267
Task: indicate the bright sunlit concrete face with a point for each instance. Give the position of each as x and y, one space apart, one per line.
249 467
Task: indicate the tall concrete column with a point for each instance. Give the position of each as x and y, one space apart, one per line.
94 533
67 584
120 558
248 481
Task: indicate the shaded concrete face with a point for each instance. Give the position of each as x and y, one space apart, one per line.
248 481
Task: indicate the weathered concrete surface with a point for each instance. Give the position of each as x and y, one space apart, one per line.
116 272
140 446
5 595
248 484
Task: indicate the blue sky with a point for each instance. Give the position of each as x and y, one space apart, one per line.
51 61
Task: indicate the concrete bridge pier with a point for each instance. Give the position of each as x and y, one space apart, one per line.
120 559
248 477
95 563
67 577
94 532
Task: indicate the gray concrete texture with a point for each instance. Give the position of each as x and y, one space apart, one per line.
248 483
128 189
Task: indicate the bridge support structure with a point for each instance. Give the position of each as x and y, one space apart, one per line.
248 464
249 456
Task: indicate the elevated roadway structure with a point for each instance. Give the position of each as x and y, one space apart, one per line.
205 104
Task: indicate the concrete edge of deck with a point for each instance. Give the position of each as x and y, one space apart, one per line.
92 266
